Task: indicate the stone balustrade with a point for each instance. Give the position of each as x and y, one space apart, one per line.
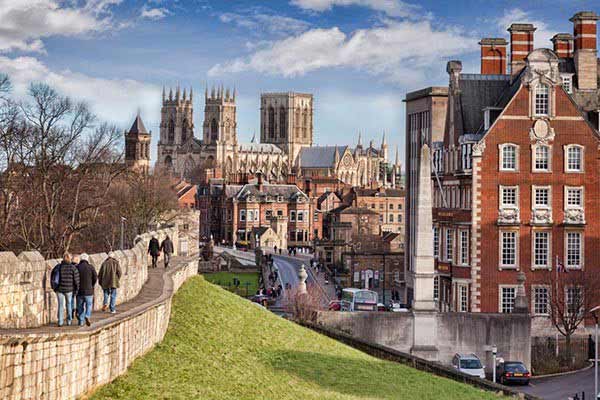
27 299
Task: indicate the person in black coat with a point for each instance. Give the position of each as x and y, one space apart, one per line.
65 282
167 248
154 250
85 296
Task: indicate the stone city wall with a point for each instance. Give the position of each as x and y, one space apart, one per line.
66 365
27 299
456 332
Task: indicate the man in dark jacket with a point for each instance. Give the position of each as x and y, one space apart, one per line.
154 250
67 285
167 248
85 295
109 276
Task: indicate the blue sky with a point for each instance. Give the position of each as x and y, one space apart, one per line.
358 57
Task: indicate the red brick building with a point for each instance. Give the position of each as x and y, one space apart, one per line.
516 178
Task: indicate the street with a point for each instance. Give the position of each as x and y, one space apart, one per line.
562 387
288 268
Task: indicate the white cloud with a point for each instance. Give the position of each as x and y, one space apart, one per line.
113 100
393 8
542 35
264 22
154 13
25 22
399 51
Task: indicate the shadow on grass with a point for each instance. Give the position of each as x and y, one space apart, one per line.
368 378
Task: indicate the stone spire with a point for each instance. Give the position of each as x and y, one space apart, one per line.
191 94
184 94
234 93
177 93
171 94
336 156
397 160
163 94
359 144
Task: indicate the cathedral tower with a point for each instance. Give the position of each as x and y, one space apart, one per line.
176 126
286 120
137 147
220 117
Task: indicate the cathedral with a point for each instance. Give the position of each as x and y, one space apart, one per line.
285 148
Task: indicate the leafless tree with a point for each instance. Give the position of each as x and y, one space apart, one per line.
573 294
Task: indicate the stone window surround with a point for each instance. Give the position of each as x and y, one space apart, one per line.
501 266
461 248
501 157
501 204
551 97
566 190
566 159
533 288
549 265
459 296
541 206
533 158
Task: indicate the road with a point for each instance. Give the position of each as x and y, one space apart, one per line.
288 268
562 387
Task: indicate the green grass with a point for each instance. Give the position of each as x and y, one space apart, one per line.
225 279
220 346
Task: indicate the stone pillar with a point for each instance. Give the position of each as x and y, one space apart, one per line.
302 275
424 309
521 306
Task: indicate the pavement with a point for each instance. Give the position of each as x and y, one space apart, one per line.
562 387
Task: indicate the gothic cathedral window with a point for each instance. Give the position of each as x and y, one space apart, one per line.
214 130
171 131
271 123
282 123
184 129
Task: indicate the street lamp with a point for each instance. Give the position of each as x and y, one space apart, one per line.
494 352
123 219
594 311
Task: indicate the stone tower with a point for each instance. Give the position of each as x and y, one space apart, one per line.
137 147
220 117
176 126
286 120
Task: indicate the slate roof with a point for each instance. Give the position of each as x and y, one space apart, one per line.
260 230
138 127
288 192
477 92
319 156
365 192
346 209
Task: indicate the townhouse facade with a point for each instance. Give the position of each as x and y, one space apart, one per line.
515 176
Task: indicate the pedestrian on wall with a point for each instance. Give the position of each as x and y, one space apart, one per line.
64 280
109 276
154 250
85 296
74 261
167 248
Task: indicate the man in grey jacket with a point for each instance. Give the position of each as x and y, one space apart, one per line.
109 276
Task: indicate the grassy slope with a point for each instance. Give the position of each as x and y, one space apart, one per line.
226 279
220 346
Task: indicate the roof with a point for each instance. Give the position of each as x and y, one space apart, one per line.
261 192
381 192
390 236
319 156
260 230
138 127
353 210
478 91
428 92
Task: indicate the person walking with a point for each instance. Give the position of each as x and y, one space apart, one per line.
85 296
64 280
167 248
109 276
154 250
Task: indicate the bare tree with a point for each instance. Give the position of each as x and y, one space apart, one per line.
573 294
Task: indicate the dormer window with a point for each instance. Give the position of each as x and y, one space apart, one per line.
541 99
567 83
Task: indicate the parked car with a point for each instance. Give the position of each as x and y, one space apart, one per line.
513 372
469 364
334 305
381 307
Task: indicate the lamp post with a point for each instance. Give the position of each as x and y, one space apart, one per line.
594 311
123 219
494 351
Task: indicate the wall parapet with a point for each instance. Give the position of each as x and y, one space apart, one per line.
65 364
27 299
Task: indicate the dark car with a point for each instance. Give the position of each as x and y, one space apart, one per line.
513 372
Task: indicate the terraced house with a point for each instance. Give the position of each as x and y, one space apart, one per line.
516 176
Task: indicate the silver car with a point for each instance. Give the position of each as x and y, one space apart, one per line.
469 364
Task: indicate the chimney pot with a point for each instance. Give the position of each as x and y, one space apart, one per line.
563 45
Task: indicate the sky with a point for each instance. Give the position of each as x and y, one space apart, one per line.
358 57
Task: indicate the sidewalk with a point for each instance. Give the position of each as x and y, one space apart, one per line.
151 291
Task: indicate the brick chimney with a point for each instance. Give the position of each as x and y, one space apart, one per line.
493 56
521 44
585 56
563 45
